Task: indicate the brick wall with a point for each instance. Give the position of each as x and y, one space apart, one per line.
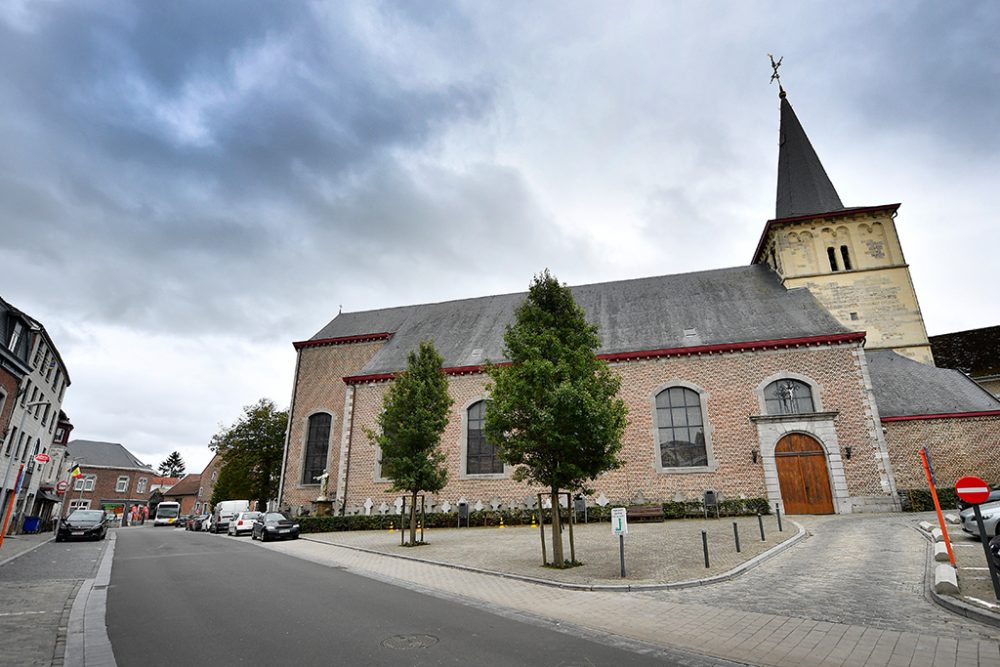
208 477
730 381
105 487
958 447
319 388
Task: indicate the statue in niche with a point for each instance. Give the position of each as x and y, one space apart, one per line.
322 479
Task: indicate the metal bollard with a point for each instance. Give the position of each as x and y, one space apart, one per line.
777 512
760 522
704 545
736 534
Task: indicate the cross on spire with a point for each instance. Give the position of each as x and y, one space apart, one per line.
775 76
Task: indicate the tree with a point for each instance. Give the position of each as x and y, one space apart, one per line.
251 449
415 413
172 466
555 411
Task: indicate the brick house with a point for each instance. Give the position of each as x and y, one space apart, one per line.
203 499
805 378
113 478
185 492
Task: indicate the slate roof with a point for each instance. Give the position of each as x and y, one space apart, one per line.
803 186
108 454
976 352
736 305
906 388
188 486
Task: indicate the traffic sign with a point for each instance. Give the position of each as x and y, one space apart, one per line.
43 458
972 490
619 521
62 486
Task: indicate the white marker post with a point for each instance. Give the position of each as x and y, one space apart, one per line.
619 527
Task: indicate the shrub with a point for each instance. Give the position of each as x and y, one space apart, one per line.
919 500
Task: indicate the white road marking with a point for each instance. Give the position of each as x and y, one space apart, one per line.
22 613
988 604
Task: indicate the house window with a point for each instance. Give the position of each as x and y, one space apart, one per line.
15 337
846 256
788 397
140 486
214 474
122 485
680 428
481 455
832 254
10 441
85 483
317 442
78 505
201 491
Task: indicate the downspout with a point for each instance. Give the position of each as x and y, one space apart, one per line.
288 428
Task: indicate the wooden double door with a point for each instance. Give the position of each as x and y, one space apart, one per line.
803 475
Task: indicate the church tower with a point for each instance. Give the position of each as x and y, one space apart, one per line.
850 258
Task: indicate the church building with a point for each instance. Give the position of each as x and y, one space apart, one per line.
805 378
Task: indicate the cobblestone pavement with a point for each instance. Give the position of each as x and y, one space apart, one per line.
36 592
785 629
655 553
861 569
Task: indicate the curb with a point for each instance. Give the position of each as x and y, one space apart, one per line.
603 588
26 551
87 642
953 604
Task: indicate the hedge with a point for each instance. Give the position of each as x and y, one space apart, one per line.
919 500
518 517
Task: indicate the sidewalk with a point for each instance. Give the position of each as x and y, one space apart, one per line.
15 545
717 630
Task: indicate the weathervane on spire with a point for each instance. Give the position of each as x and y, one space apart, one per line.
775 76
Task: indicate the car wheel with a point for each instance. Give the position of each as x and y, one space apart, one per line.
59 538
263 537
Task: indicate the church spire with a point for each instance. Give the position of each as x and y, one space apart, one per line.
803 186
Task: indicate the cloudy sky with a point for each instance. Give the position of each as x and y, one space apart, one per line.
188 187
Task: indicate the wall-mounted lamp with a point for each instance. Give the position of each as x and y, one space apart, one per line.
847 452
754 454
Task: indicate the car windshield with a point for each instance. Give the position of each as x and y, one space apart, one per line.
271 517
86 515
251 515
166 512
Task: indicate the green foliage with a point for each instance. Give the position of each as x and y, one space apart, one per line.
172 466
555 411
251 449
919 500
415 413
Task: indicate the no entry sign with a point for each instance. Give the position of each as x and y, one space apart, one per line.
972 490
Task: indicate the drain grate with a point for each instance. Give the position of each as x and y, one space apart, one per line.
408 642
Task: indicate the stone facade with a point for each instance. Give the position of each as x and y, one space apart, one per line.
959 446
737 431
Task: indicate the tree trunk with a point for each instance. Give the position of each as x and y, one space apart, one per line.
557 544
413 519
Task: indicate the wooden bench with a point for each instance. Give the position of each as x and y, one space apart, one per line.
645 513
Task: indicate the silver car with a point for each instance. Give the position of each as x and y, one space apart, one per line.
991 519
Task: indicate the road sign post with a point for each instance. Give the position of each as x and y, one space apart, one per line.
976 491
619 527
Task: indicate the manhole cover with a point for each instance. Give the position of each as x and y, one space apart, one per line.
405 642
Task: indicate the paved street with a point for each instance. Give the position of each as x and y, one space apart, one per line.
180 597
36 591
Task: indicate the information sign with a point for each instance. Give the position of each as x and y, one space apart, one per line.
619 521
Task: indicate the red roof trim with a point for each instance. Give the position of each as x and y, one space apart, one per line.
854 336
831 214
946 415
343 340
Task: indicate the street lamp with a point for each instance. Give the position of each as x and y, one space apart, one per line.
10 462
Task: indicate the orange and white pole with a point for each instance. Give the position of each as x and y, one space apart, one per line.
937 506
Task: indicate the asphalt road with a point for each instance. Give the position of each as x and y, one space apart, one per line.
184 598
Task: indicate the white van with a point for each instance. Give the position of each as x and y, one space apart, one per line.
226 510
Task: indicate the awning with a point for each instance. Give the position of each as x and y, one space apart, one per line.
48 497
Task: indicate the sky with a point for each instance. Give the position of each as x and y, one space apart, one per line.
186 188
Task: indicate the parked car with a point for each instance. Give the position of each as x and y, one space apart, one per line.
195 522
83 524
224 511
994 497
995 550
182 521
991 519
274 526
242 523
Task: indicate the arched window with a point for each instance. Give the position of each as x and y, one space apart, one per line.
481 456
788 397
681 428
317 442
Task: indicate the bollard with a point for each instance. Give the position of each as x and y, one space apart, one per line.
392 527
777 512
760 522
704 545
736 534
533 524
501 523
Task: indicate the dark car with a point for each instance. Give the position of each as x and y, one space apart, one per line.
274 526
83 525
995 550
994 497
195 522
182 521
